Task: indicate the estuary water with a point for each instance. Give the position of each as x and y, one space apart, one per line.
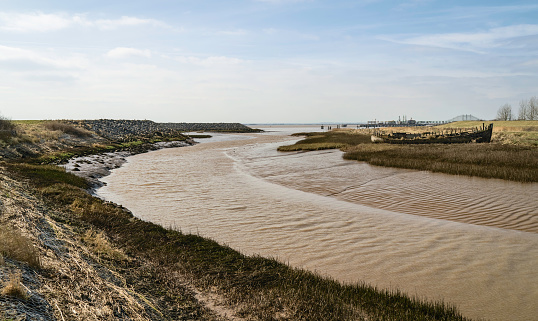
468 241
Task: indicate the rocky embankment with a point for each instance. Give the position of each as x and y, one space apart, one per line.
33 139
210 127
125 130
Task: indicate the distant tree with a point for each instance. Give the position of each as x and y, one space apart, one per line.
504 112
523 107
532 108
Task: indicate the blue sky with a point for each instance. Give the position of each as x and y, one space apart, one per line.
259 61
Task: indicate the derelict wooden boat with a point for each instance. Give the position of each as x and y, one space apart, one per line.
453 136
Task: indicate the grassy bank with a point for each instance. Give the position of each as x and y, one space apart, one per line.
255 288
326 140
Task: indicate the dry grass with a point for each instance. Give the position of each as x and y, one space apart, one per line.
507 162
67 129
101 246
18 247
498 125
14 288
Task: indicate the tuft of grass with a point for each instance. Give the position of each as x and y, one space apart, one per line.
18 247
7 129
509 162
327 140
14 288
67 129
99 243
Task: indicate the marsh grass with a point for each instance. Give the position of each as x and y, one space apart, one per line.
327 140
15 245
46 175
263 288
14 288
507 162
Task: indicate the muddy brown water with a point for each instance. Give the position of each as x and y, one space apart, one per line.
468 241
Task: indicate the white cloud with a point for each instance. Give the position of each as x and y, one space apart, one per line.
23 59
124 21
472 41
44 22
210 61
122 52
40 22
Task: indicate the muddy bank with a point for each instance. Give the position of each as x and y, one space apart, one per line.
95 167
81 275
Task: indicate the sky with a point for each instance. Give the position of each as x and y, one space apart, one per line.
266 61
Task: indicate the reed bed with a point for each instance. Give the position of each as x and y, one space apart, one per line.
509 162
257 288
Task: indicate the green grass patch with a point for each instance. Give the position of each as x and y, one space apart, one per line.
133 143
327 140
46 175
200 136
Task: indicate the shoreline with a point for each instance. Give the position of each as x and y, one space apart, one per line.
96 166
96 260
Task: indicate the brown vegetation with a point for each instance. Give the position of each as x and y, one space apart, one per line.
14 288
67 129
508 162
15 245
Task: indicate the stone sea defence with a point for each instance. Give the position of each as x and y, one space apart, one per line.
125 130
